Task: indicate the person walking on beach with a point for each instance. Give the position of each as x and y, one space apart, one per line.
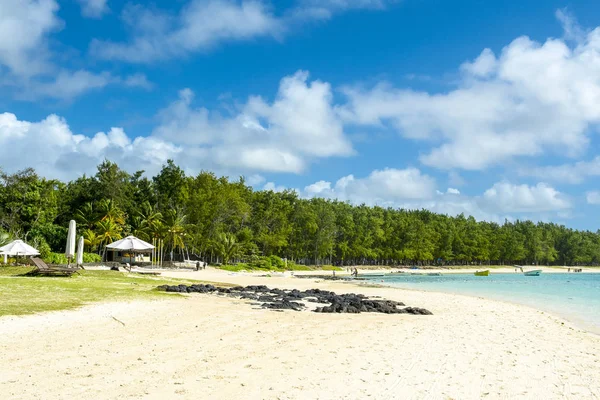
197 265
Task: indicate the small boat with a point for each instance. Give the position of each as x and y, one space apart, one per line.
535 272
483 273
434 274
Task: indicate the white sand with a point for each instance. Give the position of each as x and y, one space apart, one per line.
204 346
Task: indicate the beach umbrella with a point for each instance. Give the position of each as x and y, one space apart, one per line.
18 248
130 243
70 249
80 251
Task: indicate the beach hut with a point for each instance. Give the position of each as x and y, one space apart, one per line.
130 245
18 248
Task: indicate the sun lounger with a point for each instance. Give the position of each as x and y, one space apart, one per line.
43 269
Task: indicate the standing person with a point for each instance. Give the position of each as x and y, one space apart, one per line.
197 265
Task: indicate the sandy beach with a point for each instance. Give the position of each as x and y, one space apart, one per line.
205 346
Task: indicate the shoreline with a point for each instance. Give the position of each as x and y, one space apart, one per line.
571 321
213 346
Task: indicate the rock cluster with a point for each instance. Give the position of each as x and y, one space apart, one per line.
278 299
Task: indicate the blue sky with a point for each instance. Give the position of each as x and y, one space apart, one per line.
486 108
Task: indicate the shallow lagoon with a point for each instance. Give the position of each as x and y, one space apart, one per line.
574 296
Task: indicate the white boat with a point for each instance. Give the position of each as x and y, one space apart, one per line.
533 272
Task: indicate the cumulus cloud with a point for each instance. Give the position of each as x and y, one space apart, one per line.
199 26
508 197
60 153
24 26
279 136
531 99
203 24
93 8
270 186
593 197
567 173
411 189
284 135
27 68
382 187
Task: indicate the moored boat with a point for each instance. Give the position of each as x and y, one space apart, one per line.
483 273
535 272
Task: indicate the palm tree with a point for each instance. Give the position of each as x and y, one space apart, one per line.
175 229
148 223
109 211
108 231
227 247
91 239
86 216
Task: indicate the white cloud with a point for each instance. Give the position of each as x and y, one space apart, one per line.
93 8
508 197
24 26
255 179
570 26
383 187
410 189
568 173
59 153
529 100
273 187
593 197
27 68
325 9
199 26
138 80
279 136
284 135
203 24
68 84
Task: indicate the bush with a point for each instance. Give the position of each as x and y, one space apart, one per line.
236 268
330 268
270 263
91 258
59 258
55 258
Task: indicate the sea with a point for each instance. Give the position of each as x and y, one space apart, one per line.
573 296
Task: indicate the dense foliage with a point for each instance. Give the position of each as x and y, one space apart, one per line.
226 221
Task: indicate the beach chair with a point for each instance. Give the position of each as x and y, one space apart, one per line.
43 269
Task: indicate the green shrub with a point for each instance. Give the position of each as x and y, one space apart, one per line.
91 258
330 268
59 258
236 268
55 258
270 263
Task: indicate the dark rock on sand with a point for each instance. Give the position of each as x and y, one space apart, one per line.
279 299
284 305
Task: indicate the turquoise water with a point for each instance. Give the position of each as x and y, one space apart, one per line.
574 296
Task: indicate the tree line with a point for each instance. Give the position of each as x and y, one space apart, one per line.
220 220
